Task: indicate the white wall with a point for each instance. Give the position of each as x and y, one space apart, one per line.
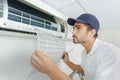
111 35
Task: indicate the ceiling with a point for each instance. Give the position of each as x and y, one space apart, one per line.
107 11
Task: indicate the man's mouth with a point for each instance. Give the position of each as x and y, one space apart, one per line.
74 36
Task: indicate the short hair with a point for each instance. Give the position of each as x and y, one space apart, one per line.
89 27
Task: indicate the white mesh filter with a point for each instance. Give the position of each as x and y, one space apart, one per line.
53 45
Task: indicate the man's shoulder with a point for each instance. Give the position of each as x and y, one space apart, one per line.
107 45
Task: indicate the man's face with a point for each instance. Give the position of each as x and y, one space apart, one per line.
80 33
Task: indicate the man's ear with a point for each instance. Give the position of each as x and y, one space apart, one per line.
93 32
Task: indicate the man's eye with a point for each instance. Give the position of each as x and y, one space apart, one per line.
78 28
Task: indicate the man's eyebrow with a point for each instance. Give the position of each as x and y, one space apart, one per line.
77 26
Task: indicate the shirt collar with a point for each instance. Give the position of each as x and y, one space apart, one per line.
94 47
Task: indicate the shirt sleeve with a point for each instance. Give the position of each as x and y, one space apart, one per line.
105 70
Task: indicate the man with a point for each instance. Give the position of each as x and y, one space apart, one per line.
100 60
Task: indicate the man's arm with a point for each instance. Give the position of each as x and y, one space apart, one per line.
72 65
107 67
43 62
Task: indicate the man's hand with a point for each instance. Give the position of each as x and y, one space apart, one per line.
71 64
42 61
66 58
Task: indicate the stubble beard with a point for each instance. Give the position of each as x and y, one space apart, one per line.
75 40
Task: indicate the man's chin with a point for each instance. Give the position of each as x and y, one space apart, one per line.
75 42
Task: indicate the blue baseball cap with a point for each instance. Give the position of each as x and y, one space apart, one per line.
85 18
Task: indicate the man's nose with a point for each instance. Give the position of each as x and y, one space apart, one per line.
73 32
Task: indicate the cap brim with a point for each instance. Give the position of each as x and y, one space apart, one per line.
71 21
